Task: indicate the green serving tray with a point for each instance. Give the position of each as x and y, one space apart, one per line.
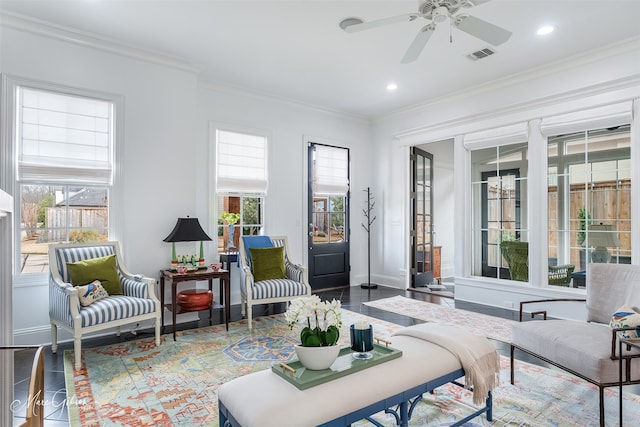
344 365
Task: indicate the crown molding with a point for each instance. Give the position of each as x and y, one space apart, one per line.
624 46
82 38
86 39
588 97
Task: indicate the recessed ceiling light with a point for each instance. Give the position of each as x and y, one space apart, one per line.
545 29
392 86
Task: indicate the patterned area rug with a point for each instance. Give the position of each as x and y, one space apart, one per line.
477 323
138 384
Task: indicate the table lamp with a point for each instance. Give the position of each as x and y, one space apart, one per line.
187 230
602 236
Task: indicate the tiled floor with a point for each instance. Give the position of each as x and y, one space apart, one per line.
352 299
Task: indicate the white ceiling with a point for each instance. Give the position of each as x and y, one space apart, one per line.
295 49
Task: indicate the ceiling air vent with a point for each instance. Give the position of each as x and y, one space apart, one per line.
481 54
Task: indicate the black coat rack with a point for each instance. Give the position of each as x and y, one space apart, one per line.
369 220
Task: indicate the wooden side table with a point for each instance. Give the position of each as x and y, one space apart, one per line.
208 274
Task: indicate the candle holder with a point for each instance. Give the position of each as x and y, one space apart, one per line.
362 342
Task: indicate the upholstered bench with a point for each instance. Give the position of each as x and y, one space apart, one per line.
264 399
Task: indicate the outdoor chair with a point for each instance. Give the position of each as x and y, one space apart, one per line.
517 256
268 275
587 349
73 308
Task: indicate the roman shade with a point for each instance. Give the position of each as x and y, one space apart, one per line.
495 137
64 138
241 162
608 116
331 176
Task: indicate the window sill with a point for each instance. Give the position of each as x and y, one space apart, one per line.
30 280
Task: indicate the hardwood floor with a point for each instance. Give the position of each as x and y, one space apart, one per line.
352 299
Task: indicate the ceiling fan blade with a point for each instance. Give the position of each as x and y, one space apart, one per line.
418 44
482 29
471 3
352 25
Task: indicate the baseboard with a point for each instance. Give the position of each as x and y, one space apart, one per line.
42 335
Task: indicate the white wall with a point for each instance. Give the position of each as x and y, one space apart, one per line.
290 125
601 77
165 167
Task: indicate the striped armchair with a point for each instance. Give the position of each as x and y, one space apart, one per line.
138 302
270 290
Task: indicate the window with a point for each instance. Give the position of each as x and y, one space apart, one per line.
241 183
589 194
499 196
64 168
59 213
240 215
330 185
499 171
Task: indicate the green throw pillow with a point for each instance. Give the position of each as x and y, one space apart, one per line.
102 269
268 263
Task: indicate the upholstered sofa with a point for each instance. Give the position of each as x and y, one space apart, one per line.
587 349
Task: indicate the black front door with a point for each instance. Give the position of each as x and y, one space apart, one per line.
328 213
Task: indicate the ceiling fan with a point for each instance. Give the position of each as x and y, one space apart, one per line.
436 11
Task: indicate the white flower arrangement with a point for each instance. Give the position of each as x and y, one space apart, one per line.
323 320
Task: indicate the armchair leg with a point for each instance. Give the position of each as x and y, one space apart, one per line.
54 338
249 316
601 397
512 349
77 349
117 331
158 329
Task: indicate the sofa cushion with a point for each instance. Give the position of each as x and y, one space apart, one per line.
277 288
268 263
626 317
115 308
102 268
582 347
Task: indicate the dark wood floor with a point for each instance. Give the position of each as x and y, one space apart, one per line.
351 298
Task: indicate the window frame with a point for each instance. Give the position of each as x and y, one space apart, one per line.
8 177
587 159
519 170
240 225
215 195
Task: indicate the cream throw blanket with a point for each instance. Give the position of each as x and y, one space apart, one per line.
478 357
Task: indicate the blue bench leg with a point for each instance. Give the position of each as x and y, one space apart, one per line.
404 414
489 407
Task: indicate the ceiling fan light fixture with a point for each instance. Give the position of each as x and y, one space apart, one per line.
347 22
440 14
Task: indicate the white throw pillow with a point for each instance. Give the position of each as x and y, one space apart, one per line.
88 294
626 317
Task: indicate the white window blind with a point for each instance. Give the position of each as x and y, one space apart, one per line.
496 137
64 138
595 118
241 162
331 171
